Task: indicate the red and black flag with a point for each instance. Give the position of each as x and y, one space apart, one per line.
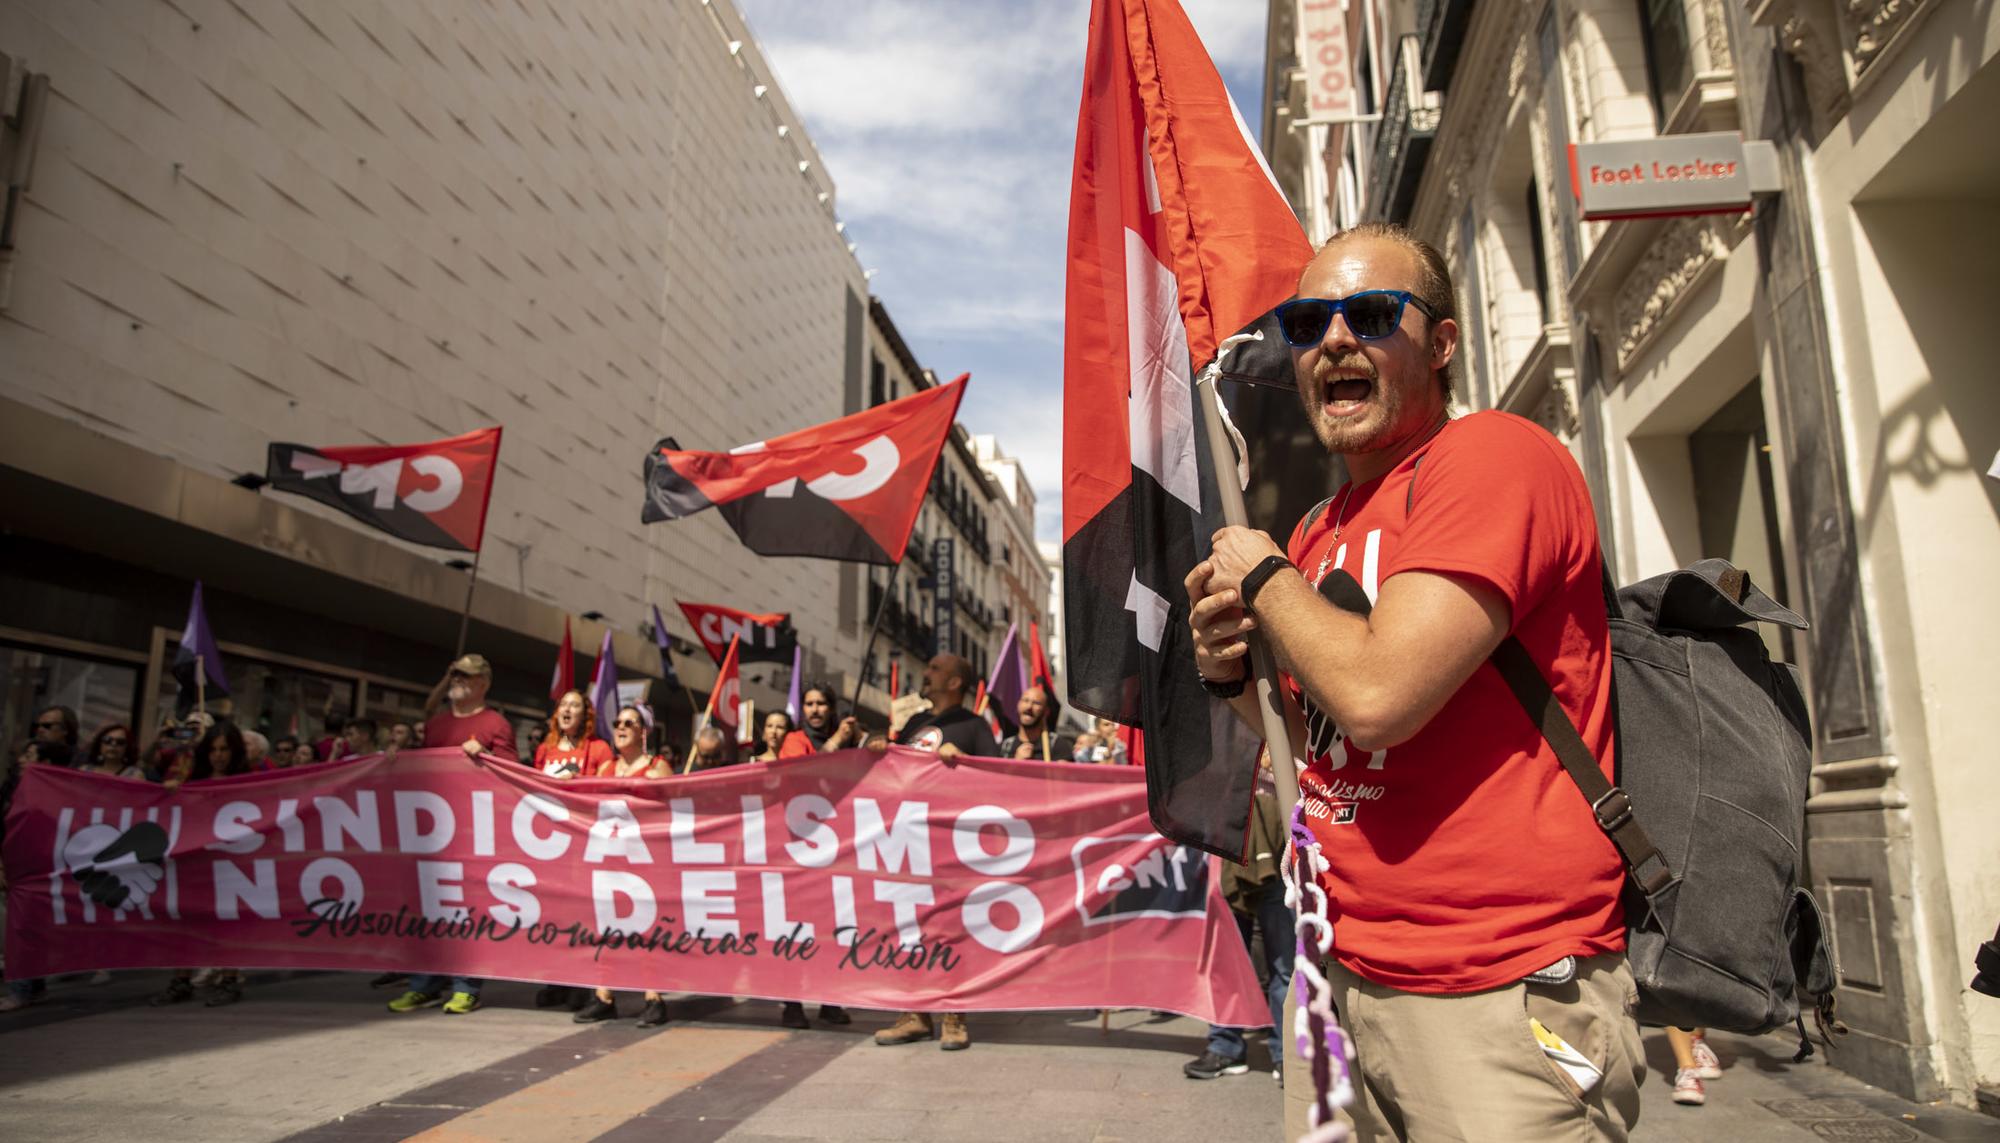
433 494
1178 238
845 490
765 638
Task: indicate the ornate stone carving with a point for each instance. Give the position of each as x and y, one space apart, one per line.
1715 33
1662 278
1805 30
1871 24
1556 411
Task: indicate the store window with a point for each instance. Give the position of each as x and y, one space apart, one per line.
101 691
1663 28
274 699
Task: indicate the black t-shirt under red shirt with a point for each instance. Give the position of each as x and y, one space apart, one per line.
958 726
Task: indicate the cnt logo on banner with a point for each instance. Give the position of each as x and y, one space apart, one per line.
894 882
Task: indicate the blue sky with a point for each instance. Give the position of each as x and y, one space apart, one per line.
948 127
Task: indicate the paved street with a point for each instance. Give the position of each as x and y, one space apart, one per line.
316 1058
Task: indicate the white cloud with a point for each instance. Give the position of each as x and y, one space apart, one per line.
948 129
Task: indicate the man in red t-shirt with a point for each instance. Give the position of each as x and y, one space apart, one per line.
469 725
1478 944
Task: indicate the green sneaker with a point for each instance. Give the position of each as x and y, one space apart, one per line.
413 1000
461 1003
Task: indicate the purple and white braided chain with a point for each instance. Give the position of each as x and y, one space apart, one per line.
1317 1036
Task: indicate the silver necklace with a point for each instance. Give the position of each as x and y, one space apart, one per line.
1333 546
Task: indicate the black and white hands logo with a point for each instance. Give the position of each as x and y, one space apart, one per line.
117 870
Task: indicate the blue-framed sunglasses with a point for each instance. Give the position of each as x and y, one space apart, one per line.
1371 314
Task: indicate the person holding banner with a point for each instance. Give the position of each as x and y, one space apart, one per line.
469 725
628 738
777 728
572 748
218 754
1037 738
950 730
818 730
712 750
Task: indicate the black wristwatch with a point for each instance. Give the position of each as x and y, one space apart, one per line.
1254 582
1228 690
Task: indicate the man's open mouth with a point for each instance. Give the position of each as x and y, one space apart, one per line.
1344 394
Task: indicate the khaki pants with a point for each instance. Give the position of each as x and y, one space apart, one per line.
1431 1068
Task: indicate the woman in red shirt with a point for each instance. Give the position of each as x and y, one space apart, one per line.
629 731
572 748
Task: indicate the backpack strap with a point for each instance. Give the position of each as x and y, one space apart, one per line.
1608 803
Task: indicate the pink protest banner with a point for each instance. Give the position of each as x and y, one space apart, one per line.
896 882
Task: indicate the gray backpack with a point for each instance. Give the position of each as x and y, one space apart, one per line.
1714 749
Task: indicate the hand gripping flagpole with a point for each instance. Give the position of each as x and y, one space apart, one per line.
1319 1044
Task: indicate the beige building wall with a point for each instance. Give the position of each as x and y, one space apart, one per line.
1908 188
355 222
1677 358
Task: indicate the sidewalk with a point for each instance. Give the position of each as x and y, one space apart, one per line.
1763 1095
316 1059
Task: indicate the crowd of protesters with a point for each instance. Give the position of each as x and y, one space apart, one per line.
198 748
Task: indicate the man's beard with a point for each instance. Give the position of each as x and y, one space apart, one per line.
1361 432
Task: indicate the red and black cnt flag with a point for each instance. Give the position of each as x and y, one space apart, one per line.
1178 238
434 494
845 490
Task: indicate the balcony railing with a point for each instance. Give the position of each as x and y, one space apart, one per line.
1403 142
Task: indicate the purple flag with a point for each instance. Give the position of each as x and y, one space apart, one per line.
666 643
795 703
197 641
604 689
1008 680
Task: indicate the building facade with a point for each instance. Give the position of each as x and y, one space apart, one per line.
967 519
350 223
1791 387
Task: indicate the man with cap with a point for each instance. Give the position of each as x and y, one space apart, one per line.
474 728
468 724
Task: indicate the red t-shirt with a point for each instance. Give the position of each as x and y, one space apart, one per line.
489 726
797 744
581 761
1465 858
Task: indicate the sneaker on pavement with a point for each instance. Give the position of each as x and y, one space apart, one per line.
1278 1073
412 1000
794 1016
653 1014
596 1010
955 1037
101 976
1707 1064
908 1029
461 1003
1212 1066
1688 1089
13 1003
834 1014
177 991
223 991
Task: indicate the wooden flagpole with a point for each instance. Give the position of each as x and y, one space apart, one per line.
1263 665
465 615
868 649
